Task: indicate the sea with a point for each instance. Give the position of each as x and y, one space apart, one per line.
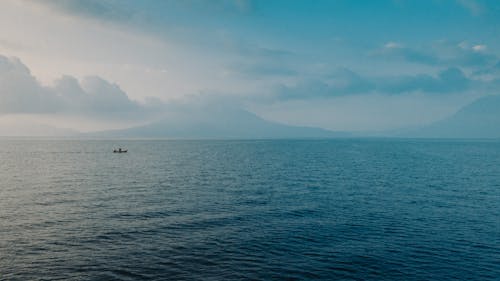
311 209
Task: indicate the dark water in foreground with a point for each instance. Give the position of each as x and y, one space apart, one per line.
250 210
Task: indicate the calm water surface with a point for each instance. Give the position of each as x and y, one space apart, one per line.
250 210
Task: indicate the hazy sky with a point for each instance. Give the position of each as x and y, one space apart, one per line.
340 65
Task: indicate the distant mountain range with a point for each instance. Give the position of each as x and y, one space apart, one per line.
219 123
480 119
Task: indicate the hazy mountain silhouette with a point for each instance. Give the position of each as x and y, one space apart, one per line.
480 119
219 123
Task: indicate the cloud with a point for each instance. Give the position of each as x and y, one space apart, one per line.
479 48
230 6
7 44
450 80
256 61
130 10
473 6
20 92
399 51
442 53
492 72
255 51
101 9
467 55
346 82
341 82
254 70
392 45
94 97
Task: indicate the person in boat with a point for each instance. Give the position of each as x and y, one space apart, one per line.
119 149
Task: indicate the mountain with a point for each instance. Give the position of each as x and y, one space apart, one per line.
218 123
480 119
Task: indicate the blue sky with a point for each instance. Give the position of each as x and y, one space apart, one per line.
340 65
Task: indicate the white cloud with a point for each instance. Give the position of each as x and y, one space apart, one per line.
479 48
464 45
440 53
93 97
473 6
393 45
20 92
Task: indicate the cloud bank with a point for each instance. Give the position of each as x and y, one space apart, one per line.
92 97
441 53
346 82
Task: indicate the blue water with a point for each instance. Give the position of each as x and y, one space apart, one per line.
250 210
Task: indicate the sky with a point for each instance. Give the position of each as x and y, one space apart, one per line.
335 64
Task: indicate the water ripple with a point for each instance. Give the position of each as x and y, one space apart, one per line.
250 210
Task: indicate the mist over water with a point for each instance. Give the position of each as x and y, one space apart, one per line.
370 209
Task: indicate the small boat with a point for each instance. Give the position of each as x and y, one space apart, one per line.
119 150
